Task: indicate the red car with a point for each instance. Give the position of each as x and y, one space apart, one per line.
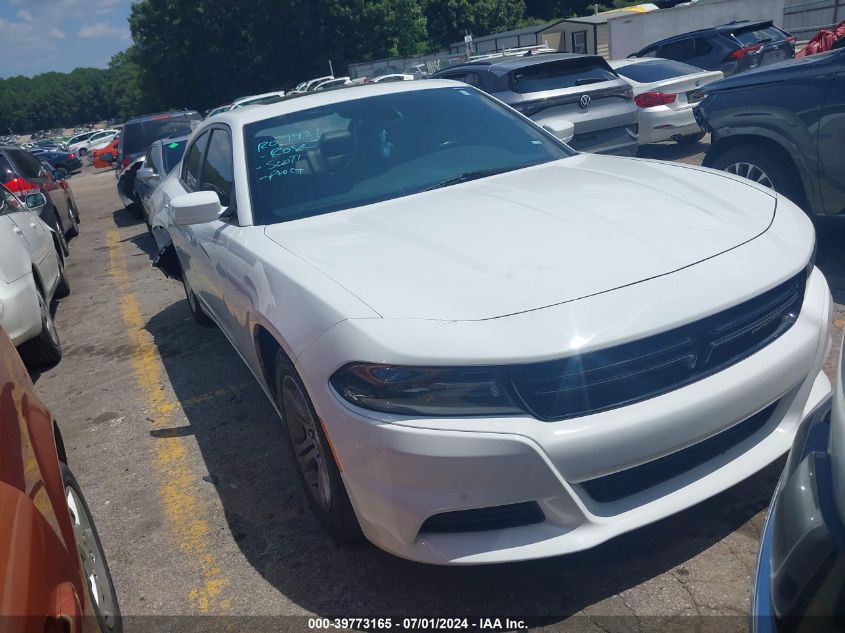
97 154
54 577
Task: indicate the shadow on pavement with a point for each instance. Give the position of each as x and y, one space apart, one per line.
675 151
242 442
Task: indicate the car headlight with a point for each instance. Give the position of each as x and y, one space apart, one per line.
430 391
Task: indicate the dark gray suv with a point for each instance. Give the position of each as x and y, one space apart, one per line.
783 126
553 88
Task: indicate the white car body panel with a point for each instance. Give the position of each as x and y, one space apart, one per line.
449 234
837 438
597 251
663 122
26 243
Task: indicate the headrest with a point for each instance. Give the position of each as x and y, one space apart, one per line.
337 143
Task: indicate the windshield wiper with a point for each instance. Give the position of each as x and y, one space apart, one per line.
473 175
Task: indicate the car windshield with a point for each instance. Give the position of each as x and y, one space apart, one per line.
362 151
172 153
565 73
139 135
656 70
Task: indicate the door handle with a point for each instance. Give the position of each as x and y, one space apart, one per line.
18 231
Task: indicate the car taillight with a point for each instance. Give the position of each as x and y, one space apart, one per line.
71 156
651 99
21 187
791 40
125 162
742 52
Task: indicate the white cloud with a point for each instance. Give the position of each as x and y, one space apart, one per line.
30 41
103 29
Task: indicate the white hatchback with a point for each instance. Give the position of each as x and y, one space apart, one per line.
484 346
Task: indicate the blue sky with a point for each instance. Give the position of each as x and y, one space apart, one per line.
37 36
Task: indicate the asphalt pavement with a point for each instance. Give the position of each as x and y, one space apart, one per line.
187 473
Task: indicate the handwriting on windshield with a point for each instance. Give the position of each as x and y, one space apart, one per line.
280 156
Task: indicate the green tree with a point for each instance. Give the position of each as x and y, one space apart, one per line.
450 20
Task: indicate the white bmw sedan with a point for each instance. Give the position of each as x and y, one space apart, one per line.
484 346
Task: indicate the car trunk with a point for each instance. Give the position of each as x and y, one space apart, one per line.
764 44
688 87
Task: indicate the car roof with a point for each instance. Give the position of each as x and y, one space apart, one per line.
258 96
502 65
159 115
721 30
304 101
628 61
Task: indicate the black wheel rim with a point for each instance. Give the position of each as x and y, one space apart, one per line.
309 451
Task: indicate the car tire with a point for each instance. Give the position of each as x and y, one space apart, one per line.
63 287
60 233
83 151
765 168
74 224
95 567
45 350
137 208
691 139
194 306
315 464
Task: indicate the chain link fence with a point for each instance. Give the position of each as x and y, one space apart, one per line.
803 18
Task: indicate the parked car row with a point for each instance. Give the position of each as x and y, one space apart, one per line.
55 574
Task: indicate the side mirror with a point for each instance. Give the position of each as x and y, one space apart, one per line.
35 200
198 207
145 173
561 128
107 157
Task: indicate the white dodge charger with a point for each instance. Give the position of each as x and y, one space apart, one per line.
486 347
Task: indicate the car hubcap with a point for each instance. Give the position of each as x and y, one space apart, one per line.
752 172
93 561
47 320
306 443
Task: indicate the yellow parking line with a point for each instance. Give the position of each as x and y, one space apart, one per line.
187 516
167 407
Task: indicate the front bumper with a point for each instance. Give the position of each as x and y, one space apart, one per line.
401 473
19 313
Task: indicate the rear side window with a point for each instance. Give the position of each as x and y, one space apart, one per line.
217 172
680 50
138 136
172 153
562 74
192 164
758 35
24 164
6 172
657 70
473 79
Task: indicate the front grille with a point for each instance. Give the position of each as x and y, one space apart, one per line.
482 519
633 480
628 373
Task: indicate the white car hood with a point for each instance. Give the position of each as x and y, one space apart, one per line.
529 239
